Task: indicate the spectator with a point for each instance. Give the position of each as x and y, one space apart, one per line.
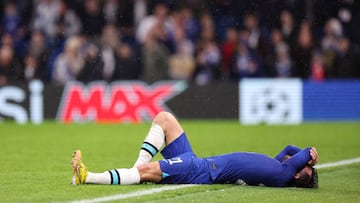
208 56
208 62
93 64
182 44
46 13
317 67
287 25
140 11
110 10
147 24
68 20
92 18
174 25
257 39
10 69
26 9
302 50
181 63
207 32
191 24
130 36
155 55
7 40
109 42
329 44
126 65
37 59
228 48
269 57
278 58
225 14
69 64
11 19
345 64
246 63
283 65
30 68
124 16
20 40
354 31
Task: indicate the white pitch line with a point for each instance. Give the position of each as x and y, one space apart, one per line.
133 194
338 163
175 187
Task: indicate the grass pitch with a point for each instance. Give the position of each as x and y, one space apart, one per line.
35 160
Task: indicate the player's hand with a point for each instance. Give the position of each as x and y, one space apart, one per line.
286 157
314 156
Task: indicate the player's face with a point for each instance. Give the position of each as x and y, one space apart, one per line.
305 170
308 170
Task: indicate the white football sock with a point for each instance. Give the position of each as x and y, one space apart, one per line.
152 144
98 178
117 176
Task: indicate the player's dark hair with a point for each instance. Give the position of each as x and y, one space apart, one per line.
305 180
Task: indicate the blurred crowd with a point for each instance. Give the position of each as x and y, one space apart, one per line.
200 41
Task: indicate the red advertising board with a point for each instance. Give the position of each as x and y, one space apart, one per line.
118 102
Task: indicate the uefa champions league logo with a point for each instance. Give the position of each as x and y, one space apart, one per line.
271 105
270 101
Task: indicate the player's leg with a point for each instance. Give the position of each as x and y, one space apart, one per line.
148 172
164 129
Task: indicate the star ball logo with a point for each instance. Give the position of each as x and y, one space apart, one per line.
119 102
270 101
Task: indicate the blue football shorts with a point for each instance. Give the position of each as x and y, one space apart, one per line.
181 166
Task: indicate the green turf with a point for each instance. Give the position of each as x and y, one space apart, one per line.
35 160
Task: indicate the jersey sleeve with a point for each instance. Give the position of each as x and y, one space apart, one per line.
288 150
300 159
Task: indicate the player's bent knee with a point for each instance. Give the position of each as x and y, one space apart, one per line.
164 115
163 118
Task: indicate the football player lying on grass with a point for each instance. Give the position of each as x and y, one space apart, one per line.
292 167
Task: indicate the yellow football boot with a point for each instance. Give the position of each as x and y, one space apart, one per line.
79 169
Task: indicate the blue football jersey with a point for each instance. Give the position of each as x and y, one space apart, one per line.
182 166
256 169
